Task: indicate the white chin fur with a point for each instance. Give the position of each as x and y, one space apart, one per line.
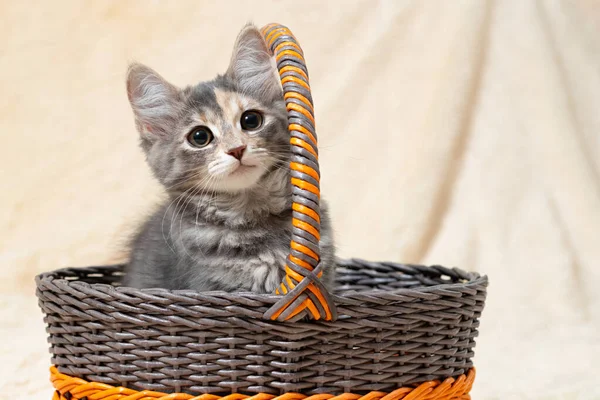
240 179
233 177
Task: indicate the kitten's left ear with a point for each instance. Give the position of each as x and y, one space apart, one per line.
154 101
251 65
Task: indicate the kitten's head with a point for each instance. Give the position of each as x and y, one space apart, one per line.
222 135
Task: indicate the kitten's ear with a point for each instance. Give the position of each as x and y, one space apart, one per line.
155 101
251 66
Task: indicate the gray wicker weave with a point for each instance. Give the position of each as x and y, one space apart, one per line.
397 325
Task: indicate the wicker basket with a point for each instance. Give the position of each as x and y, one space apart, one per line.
389 331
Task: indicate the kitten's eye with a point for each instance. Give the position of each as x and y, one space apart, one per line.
251 120
200 136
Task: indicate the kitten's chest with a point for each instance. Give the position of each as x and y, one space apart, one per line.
268 241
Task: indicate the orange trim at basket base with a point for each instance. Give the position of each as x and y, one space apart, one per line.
70 388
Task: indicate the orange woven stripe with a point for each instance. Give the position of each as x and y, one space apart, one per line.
291 274
298 310
306 227
421 391
322 300
373 395
306 211
275 315
305 304
449 389
306 169
300 128
300 109
291 68
283 289
304 145
301 263
295 80
313 309
306 186
304 250
289 281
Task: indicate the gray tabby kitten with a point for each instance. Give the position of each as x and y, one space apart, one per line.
221 150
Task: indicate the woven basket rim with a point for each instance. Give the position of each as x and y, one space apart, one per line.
471 279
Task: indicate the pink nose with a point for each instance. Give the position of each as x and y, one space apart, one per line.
238 152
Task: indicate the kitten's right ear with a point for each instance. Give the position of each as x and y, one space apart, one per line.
155 101
252 65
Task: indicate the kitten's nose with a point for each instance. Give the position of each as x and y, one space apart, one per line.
238 152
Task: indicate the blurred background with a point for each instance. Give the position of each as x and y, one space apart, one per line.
463 133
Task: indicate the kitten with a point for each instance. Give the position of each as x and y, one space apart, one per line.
221 151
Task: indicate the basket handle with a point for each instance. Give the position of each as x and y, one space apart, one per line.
302 292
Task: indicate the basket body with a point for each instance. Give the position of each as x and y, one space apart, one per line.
398 325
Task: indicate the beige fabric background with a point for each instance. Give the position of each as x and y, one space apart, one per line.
463 133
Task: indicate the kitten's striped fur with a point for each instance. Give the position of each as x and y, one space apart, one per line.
223 227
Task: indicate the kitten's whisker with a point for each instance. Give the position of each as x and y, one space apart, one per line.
185 178
163 220
184 196
198 187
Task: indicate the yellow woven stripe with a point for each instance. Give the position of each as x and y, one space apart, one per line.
299 142
300 128
289 53
295 95
267 27
275 33
287 44
290 68
449 389
295 80
301 110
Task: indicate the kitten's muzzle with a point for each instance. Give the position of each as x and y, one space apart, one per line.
237 152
